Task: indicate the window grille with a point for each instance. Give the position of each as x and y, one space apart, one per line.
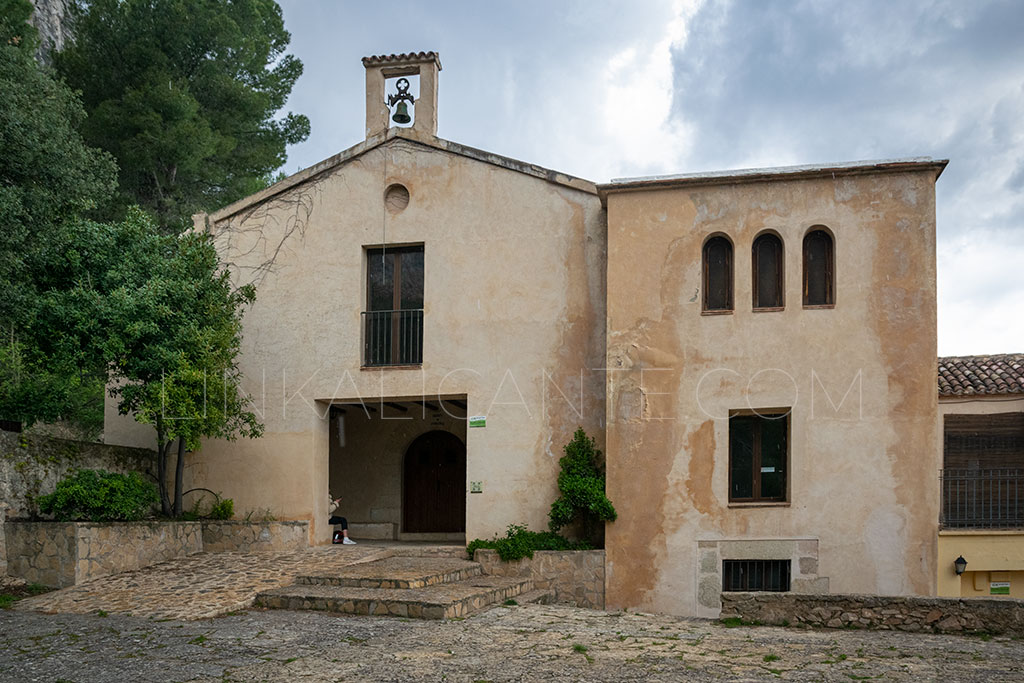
755 575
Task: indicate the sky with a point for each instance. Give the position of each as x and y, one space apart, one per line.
605 90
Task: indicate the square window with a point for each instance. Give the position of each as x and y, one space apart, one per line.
758 457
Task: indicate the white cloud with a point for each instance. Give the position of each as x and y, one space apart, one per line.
980 293
639 135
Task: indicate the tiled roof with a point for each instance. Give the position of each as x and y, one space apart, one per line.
981 375
404 57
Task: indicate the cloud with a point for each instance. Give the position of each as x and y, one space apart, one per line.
775 83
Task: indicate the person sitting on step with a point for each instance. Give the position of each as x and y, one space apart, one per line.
337 520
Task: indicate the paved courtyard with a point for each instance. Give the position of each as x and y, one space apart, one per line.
157 624
200 585
514 643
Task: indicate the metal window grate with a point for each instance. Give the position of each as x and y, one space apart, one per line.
755 575
982 498
392 337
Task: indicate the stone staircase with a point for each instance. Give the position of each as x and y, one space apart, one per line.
430 585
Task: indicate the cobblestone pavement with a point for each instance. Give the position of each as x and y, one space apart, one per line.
198 586
517 643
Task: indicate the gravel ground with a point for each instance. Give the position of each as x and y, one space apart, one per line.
516 643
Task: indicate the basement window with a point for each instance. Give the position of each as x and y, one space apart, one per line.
755 575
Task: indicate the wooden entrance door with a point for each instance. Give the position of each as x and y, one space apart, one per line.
434 483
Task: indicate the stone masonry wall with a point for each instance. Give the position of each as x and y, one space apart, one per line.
119 547
60 554
42 552
940 615
31 465
242 536
576 576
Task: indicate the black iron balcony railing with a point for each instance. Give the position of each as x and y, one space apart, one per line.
392 337
982 499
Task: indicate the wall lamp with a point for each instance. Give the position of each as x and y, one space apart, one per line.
959 565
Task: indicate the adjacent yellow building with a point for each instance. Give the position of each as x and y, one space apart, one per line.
981 404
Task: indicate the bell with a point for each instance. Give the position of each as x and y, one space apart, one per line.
401 113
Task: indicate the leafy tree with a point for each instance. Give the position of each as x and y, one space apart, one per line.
184 94
581 488
48 177
164 318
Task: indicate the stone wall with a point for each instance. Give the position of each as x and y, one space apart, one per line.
42 552
576 576
31 465
60 554
940 615
242 536
113 548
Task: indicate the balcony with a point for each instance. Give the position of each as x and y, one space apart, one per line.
982 499
392 338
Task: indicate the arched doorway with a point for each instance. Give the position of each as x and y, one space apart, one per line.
434 484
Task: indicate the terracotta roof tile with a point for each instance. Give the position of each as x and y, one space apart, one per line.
981 375
404 57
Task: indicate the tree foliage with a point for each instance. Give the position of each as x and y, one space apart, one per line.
48 177
165 319
184 94
581 487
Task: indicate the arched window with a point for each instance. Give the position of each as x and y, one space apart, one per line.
717 274
768 266
819 269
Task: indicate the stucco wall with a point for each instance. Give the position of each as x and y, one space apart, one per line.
987 551
860 379
514 320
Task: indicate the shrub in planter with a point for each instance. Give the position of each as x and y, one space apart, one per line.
581 488
520 542
100 496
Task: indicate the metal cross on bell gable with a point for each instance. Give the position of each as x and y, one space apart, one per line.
401 97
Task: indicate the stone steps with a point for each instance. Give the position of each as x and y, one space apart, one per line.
538 596
437 601
397 572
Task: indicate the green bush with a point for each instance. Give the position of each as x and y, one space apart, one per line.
581 485
520 542
223 509
100 496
